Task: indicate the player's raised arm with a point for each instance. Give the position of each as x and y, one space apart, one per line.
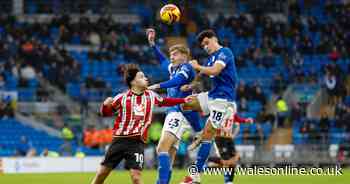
180 72
177 80
164 61
106 107
110 106
167 101
209 70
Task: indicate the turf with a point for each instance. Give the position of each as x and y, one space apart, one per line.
149 177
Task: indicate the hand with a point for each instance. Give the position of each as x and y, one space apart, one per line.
225 163
189 99
108 101
186 87
151 35
250 120
154 87
195 64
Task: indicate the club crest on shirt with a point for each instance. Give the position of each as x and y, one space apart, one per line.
222 56
139 110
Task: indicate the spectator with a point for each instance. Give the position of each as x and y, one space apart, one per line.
331 82
106 136
48 153
278 84
243 105
246 136
7 109
2 82
241 91
265 117
66 149
296 113
324 127
95 39
90 137
259 95
334 55
79 153
27 72
282 111
67 134
297 60
23 147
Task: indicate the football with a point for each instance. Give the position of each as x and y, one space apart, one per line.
170 14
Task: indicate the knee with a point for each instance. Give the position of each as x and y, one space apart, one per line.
208 135
164 146
103 173
135 176
161 148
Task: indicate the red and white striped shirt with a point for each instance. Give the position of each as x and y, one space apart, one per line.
227 129
134 112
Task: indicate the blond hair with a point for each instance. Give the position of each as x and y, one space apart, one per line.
181 48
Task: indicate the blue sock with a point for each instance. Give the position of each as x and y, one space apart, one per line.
169 176
203 154
164 168
228 177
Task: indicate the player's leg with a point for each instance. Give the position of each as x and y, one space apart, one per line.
199 103
101 174
134 159
205 145
220 111
228 153
112 158
165 144
202 154
174 126
135 175
172 154
229 177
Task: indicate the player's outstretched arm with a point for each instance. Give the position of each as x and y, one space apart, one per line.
236 131
177 80
231 162
167 102
164 61
194 86
242 120
208 70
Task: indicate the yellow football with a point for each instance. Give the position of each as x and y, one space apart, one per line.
170 14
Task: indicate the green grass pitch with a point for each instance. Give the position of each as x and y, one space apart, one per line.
149 177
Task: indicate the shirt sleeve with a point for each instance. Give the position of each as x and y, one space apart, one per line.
167 102
106 110
157 98
177 80
239 119
164 61
111 109
223 58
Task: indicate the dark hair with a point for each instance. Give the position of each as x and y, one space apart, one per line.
130 71
209 33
